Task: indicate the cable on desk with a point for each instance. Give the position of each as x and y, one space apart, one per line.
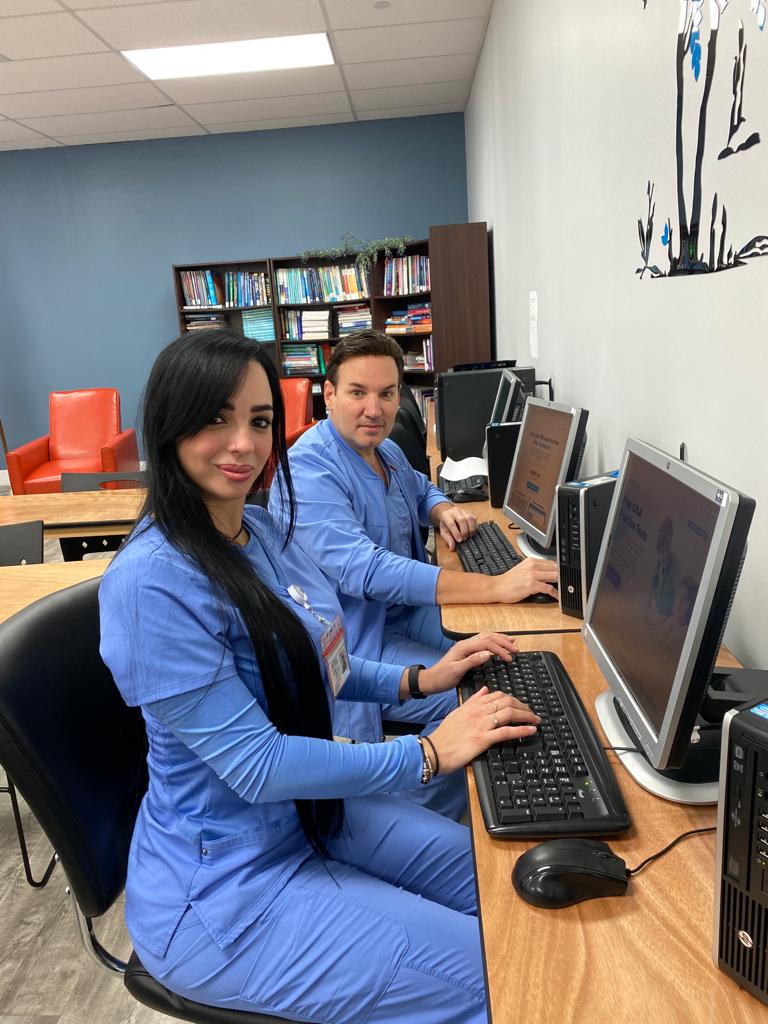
655 856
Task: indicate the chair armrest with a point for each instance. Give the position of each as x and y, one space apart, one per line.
121 454
294 436
24 459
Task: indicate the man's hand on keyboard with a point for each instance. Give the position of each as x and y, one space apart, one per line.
531 576
482 720
462 657
455 524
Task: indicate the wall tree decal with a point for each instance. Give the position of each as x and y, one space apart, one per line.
690 257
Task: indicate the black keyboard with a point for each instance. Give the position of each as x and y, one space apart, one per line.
469 483
487 551
557 782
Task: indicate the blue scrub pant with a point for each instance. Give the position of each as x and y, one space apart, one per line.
385 931
417 639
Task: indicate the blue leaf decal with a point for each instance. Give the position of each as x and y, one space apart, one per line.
665 236
696 54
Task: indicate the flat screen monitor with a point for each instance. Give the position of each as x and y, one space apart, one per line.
549 451
507 405
664 581
463 402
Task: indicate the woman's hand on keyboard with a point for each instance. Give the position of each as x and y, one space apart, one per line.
462 657
482 720
531 576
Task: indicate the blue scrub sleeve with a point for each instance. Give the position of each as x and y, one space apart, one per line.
330 531
372 681
224 725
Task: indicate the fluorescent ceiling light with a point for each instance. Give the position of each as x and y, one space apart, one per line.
277 53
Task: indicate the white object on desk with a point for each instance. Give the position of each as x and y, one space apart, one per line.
461 469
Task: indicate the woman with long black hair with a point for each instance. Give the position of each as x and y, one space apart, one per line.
269 868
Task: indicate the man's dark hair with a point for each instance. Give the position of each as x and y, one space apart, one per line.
364 343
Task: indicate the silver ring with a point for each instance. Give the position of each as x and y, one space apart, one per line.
495 721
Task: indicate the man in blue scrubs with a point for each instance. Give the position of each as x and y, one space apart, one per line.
359 507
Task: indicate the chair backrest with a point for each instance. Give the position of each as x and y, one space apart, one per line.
96 481
81 422
21 543
409 431
71 746
297 398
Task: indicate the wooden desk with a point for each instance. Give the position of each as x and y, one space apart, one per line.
20 585
525 617
645 956
76 514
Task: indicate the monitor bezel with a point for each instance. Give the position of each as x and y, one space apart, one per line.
666 747
544 537
515 386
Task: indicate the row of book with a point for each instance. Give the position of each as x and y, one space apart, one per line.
299 285
306 323
204 321
404 275
420 360
239 288
246 288
353 318
416 318
258 324
423 397
301 360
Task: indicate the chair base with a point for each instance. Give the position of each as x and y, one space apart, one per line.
10 789
147 990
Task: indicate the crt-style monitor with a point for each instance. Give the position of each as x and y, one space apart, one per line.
664 581
549 451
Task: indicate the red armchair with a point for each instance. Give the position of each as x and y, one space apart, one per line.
297 398
84 437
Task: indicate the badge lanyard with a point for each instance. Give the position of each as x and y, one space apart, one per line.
332 642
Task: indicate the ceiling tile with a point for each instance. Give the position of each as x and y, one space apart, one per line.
12 8
380 73
219 88
353 46
260 109
354 14
67 73
131 136
278 122
411 96
82 101
203 21
437 108
46 35
9 131
28 144
91 124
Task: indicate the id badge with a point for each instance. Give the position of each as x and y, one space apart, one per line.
334 650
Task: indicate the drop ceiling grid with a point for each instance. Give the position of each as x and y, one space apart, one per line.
67 84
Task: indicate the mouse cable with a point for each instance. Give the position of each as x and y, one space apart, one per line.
655 856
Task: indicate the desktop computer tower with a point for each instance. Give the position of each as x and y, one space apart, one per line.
500 444
582 512
741 867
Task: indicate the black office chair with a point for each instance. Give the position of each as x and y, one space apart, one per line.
74 548
78 756
22 544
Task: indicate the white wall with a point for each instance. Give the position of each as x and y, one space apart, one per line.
571 112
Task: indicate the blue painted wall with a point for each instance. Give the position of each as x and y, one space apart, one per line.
88 235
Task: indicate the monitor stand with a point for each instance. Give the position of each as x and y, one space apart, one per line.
532 549
670 784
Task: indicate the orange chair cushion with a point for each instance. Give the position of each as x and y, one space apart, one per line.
47 478
82 422
297 398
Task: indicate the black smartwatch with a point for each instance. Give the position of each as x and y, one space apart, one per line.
413 682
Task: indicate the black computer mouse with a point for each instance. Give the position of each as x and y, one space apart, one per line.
565 871
541 598
458 497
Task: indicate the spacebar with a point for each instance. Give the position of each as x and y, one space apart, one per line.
514 815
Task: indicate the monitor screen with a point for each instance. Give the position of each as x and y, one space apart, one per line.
548 452
668 564
509 387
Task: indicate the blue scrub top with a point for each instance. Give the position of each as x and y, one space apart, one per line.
218 828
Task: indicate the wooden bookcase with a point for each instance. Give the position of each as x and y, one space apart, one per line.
459 297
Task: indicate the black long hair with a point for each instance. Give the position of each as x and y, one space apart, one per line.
191 381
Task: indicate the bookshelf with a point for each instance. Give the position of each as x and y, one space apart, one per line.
436 299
